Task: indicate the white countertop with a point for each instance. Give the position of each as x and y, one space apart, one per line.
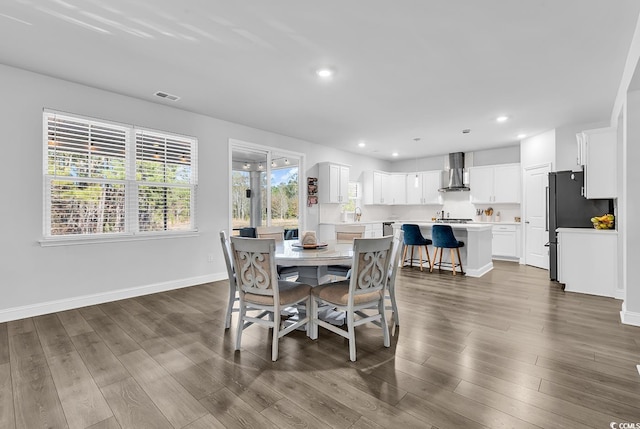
364 222
369 222
586 231
460 226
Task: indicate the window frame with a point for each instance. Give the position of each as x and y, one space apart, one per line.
130 184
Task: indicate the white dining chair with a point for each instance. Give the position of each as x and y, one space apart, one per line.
260 289
233 288
394 262
364 290
275 232
345 234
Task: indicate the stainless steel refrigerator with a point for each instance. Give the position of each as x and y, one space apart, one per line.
569 209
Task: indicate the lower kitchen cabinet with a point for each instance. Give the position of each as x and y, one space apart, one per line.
587 260
506 242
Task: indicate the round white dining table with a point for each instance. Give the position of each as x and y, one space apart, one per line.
313 263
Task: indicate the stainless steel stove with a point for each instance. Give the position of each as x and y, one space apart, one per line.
453 220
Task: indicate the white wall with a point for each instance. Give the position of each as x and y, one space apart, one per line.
539 150
39 279
501 155
419 164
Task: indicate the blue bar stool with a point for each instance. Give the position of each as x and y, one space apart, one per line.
443 238
413 237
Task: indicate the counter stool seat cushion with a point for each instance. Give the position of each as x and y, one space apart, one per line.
338 293
290 293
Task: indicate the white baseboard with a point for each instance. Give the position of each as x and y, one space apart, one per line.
479 272
39 309
630 317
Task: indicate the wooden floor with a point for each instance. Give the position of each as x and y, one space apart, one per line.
508 350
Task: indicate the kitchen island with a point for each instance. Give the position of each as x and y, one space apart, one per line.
476 253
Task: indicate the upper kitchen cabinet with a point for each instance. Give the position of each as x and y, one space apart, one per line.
375 187
597 154
333 183
422 187
495 184
397 191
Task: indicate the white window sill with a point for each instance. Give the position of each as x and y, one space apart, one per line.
93 239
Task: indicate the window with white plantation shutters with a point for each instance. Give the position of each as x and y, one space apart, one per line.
165 178
112 179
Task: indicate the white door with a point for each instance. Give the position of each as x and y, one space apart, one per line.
536 235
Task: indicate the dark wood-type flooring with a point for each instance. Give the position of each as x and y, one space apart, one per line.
510 349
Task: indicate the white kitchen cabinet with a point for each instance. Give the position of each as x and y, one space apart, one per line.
375 187
495 184
397 192
597 154
505 242
373 230
333 183
587 260
427 190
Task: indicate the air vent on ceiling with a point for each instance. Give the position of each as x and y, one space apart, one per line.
167 96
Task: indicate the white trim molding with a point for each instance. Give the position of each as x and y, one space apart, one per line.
629 317
39 309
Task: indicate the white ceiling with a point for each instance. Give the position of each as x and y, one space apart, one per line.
404 69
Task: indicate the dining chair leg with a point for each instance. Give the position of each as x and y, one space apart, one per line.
440 260
453 261
394 306
352 335
411 260
428 258
460 260
420 254
242 311
232 299
404 255
383 322
276 335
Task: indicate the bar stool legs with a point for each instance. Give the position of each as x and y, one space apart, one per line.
454 264
426 249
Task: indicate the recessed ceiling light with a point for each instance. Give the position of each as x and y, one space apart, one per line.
324 73
362 144
502 118
394 154
521 136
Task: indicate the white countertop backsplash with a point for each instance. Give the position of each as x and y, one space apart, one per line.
456 204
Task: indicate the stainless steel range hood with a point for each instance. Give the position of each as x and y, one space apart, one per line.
455 178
